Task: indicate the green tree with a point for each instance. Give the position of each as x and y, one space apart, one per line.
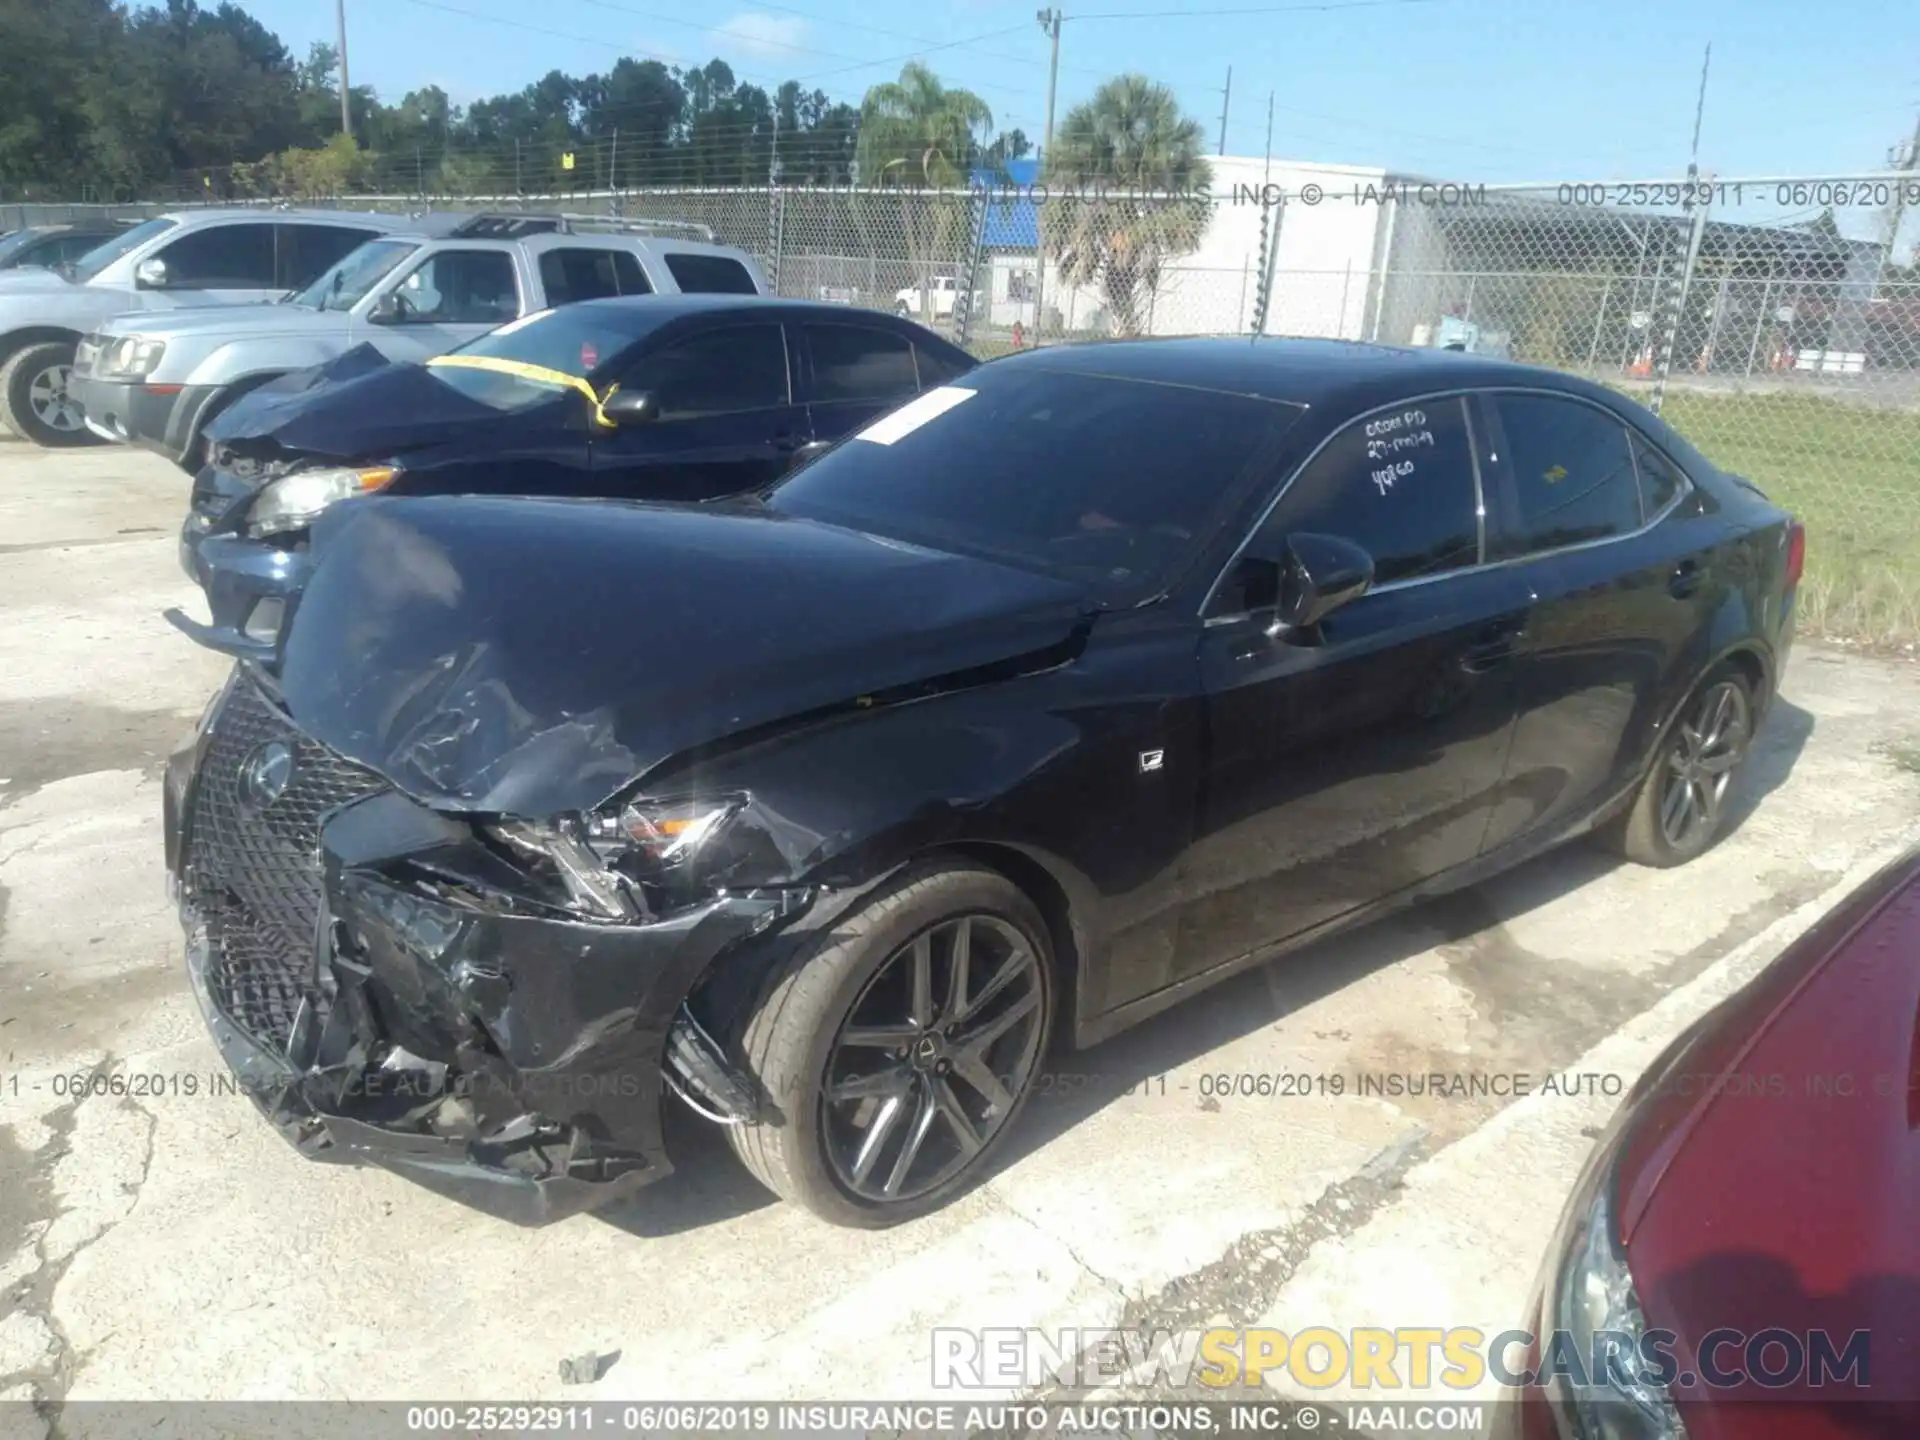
916 134
1127 144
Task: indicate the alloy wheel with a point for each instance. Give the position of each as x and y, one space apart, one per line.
1709 744
47 396
932 1058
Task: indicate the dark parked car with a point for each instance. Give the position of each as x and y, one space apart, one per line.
51 246
1749 1216
1055 695
671 397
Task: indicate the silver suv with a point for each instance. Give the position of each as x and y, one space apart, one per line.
191 258
157 380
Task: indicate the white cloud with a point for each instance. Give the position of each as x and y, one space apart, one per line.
765 37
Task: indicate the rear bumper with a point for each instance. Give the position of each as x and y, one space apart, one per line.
511 1062
161 420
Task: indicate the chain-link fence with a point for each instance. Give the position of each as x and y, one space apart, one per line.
1788 350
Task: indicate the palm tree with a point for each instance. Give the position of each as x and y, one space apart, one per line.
917 134
1127 143
916 131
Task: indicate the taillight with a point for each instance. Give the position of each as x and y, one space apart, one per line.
1796 552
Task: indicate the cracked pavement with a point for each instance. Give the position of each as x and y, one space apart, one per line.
161 1244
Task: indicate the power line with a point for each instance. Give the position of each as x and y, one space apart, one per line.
1249 10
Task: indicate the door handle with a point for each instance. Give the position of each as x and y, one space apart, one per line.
1686 579
1494 646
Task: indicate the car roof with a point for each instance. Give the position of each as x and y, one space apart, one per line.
377 219
1313 373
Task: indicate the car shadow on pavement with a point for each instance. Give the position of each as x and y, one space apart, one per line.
709 1186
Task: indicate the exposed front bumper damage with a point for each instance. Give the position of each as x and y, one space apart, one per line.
250 586
511 1061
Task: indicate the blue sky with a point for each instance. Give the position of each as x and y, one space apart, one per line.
1494 90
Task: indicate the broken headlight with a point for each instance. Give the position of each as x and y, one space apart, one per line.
295 501
608 861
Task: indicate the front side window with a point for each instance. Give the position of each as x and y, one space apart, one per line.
576 273
853 362
1398 483
1116 483
1572 475
222 257
719 372
458 287
700 274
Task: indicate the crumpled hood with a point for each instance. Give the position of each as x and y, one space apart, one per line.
532 657
358 406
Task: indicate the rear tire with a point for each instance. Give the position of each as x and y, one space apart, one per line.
33 397
935 1085
1680 809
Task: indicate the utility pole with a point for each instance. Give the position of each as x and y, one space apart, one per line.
346 111
1226 99
1908 162
1690 254
1050 22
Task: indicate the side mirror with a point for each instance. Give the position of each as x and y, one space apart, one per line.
631 407
386 310
151 274
1318 575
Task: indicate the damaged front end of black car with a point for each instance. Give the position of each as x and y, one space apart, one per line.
442 913
486 1010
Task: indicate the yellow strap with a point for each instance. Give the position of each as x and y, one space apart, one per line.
521 370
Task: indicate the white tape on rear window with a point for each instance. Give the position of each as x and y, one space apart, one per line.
910 417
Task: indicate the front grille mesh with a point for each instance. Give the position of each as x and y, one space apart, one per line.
253 872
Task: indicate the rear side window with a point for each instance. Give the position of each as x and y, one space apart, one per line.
719 372
222 257
1399 484
459 287
1573 477
853 362
307 250
937 367
574 274
698 274
1660 482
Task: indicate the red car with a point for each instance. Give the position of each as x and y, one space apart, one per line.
1741 1257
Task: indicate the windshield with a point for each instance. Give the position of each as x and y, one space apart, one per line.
574 340
103 255
343 286
1109 481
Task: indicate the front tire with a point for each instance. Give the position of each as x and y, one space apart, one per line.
1680 810
897 1053
33 397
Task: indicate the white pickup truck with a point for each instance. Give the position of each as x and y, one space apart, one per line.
936 304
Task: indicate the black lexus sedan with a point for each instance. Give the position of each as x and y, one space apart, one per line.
665 397
1040 703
